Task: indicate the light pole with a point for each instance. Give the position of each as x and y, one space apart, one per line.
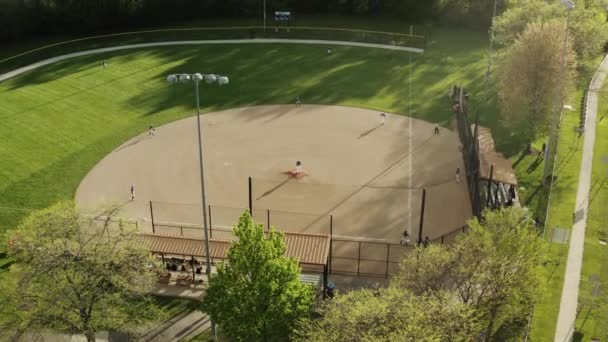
264 9
209 78
487 77
558 107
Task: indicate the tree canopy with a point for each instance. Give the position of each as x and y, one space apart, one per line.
482 286
256 294
20 18
587 22
529 77
75 275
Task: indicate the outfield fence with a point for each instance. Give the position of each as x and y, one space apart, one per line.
212 33
357 256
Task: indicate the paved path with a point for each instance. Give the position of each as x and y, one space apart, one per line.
202 42
181 327
569 301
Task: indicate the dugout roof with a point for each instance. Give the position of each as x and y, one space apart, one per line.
503 168
310 249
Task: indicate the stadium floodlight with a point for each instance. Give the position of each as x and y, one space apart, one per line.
184 78
211 78
172 79
197 78
222 80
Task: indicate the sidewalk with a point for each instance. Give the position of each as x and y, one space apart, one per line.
569 300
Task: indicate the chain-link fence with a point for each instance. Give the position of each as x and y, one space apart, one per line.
365 258
348 255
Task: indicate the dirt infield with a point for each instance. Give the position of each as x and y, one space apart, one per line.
356 169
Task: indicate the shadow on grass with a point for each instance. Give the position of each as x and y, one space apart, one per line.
522 156
534 164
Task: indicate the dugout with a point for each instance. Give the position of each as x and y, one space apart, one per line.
311 250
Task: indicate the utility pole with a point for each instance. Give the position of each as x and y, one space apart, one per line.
487 77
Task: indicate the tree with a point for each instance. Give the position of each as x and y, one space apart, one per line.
587 23
76 275
528 78
469 13
391 314
494 269
257 295
483 285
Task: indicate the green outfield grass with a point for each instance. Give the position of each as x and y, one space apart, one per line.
60 120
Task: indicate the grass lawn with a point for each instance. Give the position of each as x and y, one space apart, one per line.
593 297
560 216
561 208
60 120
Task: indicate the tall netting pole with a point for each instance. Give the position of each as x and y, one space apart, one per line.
250 198
409 188
422 216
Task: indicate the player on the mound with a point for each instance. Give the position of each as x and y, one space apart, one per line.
299 170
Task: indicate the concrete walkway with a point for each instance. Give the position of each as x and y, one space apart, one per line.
569 301
179 328
20 71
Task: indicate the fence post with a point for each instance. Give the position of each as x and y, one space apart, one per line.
181 230
490 185
359 259
388 255
268 219
152 217
331 238
421 216
210 225
250 201
325 282
442 236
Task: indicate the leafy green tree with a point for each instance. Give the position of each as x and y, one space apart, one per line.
469 13
75 275
587 22
257 295
391 314
495 269
528 76
482 286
